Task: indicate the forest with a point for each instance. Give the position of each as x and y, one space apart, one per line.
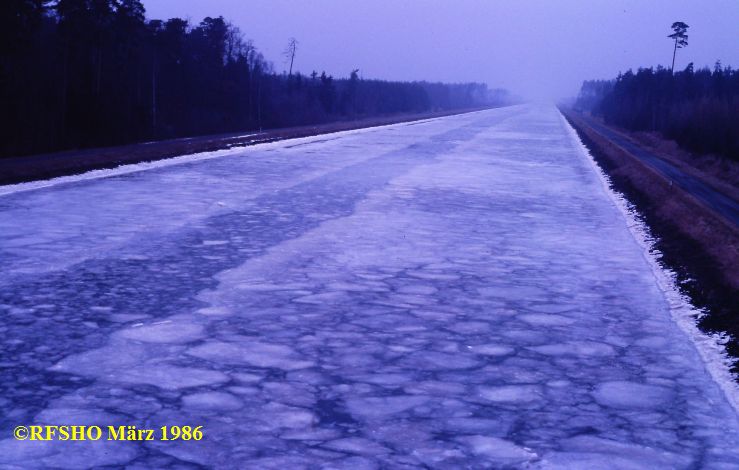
89 73
699 109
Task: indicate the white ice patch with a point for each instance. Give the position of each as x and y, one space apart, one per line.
322 298
251 352
510 393
539 319
623 394
215 311
655 342
102 361
126 317
499 450
357 445
247 378
491 349
166 332
214 242
211 401
169 377
575 348
433 276
436 388
434 360
280 416
591 452
417 289
476 425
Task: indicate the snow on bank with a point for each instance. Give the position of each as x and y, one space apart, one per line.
710 347
195 157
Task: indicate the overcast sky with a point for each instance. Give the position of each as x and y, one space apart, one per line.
537 48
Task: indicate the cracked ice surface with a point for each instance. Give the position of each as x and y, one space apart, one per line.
459 292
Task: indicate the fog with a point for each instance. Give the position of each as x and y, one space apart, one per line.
538 49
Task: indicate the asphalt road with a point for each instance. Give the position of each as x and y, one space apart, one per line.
455 293
711 197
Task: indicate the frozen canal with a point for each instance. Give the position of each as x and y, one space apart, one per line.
455 293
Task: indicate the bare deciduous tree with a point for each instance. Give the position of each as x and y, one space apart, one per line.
290 50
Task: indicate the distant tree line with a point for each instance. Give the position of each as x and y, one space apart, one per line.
83 73
699 109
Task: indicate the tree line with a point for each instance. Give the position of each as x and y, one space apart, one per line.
86 73
698 108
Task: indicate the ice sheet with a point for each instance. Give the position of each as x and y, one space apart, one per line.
430 295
